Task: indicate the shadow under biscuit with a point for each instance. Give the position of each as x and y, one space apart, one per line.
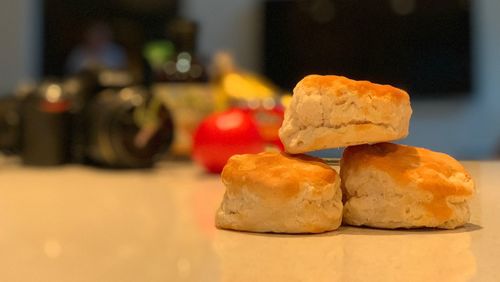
362 230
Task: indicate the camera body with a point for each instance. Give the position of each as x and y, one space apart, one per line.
97 118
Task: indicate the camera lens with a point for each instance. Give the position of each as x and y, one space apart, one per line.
128 128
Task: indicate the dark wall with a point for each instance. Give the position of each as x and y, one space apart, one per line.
133 22
424 48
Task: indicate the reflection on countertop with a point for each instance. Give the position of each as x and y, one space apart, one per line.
349 254
82 224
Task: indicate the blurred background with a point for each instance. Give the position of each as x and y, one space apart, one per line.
126 82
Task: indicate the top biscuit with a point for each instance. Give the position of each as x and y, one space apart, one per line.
335 111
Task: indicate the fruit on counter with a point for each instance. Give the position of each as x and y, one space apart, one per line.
221 135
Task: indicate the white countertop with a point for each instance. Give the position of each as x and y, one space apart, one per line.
77 223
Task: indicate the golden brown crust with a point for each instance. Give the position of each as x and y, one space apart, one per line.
430 171
334 111
277 192
358 86
278 175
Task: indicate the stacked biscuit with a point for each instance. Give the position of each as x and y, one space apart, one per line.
384 185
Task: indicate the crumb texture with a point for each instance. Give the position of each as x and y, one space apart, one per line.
277 192
395 186
331 111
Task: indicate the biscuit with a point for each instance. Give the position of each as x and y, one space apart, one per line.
395 186
281 193
334 111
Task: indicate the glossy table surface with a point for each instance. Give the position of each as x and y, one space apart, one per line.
77 223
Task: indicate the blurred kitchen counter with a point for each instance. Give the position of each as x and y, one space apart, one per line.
76 223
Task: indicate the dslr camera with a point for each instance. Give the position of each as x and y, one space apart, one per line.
96 117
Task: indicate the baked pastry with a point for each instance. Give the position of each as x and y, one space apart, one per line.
277 192
334 111
395 186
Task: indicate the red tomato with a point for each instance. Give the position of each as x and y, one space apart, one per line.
221 135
